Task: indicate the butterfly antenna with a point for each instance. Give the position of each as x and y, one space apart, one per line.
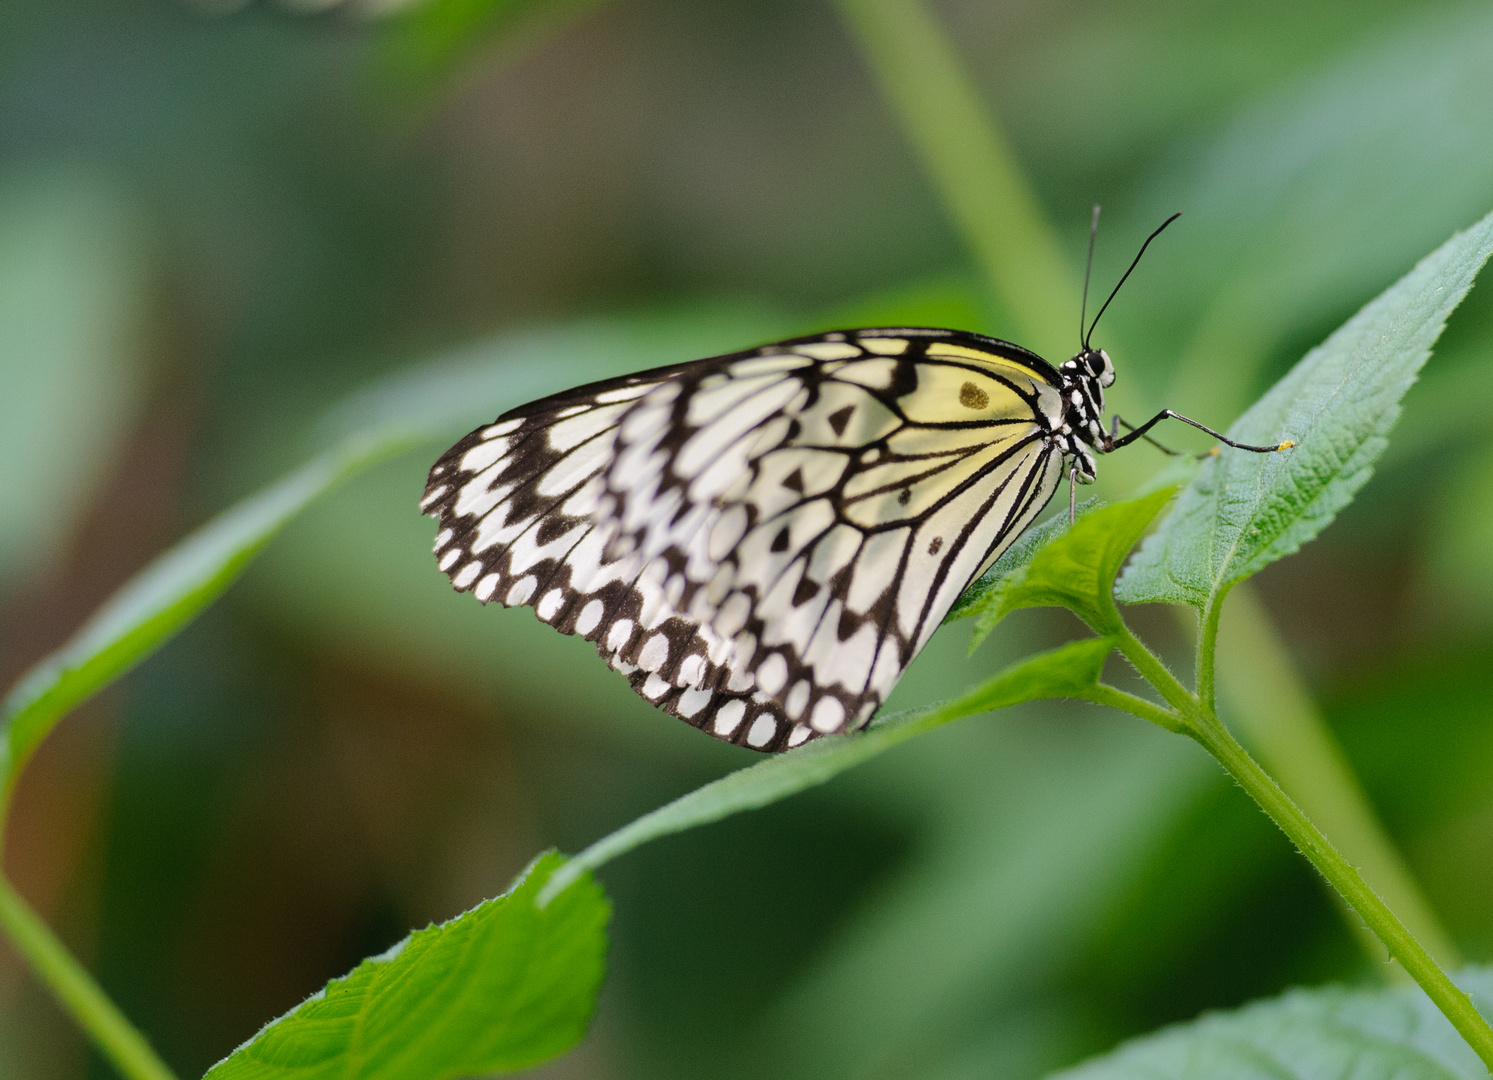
1083 310
1134 263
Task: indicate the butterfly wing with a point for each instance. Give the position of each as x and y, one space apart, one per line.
762 541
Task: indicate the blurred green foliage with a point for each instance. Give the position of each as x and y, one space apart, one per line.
216 224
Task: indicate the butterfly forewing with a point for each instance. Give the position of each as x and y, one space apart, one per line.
762 541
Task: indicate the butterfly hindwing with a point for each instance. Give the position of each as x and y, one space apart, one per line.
763 541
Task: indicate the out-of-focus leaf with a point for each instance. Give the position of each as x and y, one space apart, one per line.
72 291
1077 568
163 597
1316 195
1243 511
1068 671
952 302
499 988
429 35
1452 402
1305 1035
1460 567
448 396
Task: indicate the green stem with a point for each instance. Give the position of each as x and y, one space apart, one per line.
1278 720
1199 720
1209 731
1150 668
1207 651
1104 694
116 1038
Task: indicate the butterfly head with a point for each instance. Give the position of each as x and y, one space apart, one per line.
1091 371
1092 365
1084 379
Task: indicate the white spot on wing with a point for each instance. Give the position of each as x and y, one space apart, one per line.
728 717
484 454
762 730
772 673
884 346
570 470
467 574
727 533
654 654
763 365
875 569
590 617
691 670
522 589
827 350
549 604
568 434
627 393
873 374
619 633
829 715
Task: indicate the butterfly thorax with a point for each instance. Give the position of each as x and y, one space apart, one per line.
1084 379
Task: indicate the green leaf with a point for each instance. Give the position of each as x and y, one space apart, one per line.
501 987
975 599
1305 1035
1243 511
1077 568
1068 671
162 598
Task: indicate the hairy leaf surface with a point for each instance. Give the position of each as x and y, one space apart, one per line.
1244 511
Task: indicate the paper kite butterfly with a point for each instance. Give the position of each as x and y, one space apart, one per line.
762 542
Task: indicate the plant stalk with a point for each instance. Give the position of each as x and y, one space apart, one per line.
1104 694
1149 666
1211 734
116 1038
1293 741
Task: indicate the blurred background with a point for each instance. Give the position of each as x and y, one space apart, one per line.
229 229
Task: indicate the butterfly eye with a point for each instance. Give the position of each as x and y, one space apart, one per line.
1097 363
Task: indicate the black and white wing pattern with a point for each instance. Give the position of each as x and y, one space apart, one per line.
761 542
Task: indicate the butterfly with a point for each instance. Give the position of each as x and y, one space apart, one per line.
761 542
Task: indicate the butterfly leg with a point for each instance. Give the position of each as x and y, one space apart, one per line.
1116 422
1072 494
1167 414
